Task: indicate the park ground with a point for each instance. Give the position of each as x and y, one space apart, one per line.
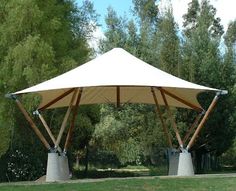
213 182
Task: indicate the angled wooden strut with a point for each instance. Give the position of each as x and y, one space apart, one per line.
158 111
193 126
47 129
32 124
197 108
56 99
200 126
172 119
63 125
72 124
46 126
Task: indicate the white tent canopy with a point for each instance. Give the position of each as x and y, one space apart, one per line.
118 76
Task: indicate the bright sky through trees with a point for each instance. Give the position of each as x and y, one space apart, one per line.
225 9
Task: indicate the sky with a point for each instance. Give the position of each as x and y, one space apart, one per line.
225 10
120 6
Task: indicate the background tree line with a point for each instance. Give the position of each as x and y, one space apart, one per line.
41 39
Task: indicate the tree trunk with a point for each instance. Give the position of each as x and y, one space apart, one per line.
86 161
77 161
199 161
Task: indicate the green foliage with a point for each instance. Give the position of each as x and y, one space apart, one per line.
167 45
4 137
41 39
229 157
115 34
133 133
87 118
25 166
230 37
203 64
38 40
194 56
190 19
146 10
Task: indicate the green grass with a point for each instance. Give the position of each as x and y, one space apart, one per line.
151 184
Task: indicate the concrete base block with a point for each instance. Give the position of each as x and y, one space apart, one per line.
185 167
64 168
173 156
53 172
57 168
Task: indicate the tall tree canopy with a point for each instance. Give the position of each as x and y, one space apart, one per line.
153 39
38 40
194 55
203 63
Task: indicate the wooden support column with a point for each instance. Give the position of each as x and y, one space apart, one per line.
32 124
46 127
158 111
63 125
186 137
72 125
57 99
212 105
172 119
197 108
118 96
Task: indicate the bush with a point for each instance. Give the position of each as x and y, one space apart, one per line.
24 166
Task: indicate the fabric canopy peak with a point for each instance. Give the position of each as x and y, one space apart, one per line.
117 77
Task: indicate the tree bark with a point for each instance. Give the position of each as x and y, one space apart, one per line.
77 161
86 161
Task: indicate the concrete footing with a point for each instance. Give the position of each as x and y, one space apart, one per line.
57 168
185 167
64 167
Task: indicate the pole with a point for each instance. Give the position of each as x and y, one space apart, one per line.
186 137
63 125
31 122
172 119
118 96
72 125
200 126
197 108
158 110
46 126
56 99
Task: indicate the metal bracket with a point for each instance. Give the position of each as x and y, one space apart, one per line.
184 150
36 112
224 92
203 112
11 96
52 150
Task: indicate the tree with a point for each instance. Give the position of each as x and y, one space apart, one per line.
203 64
190 19
134 127
131 132
87 118
115 34
167 44
38 40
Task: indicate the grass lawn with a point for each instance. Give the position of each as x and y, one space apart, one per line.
134 184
